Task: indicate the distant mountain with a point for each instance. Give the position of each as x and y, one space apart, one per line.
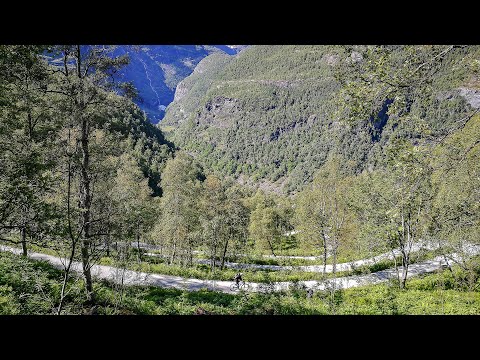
269 116
155 70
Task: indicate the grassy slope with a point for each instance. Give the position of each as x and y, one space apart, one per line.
29 287
156 265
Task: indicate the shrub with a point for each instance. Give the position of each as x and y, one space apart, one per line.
8 303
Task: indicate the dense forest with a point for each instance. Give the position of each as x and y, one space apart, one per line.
272 116
302 166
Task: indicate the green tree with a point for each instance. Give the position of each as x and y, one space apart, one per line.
393 203
237 223
322 213
224 219
264 224
84 83
26 156
456 202
213 216
180 229
136 211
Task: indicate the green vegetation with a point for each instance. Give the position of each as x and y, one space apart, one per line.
361 150
82 156
31 287
191 91
273 115
158 265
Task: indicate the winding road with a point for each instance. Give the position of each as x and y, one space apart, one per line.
146 246
348 266
130 277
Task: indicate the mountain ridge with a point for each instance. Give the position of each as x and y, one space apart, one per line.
155 71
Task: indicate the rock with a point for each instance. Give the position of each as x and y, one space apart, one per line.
181 91
201 311
472 96
445 95
331 59
356 56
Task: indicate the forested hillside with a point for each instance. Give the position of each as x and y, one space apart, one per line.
271 116
79 160
190 92
283 179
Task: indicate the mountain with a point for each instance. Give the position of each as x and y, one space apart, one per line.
155 70
191 91
271 115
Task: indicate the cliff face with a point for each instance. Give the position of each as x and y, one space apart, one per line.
156 70
191 91
472 96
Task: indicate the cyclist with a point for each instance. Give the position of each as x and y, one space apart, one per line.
238 278
309 293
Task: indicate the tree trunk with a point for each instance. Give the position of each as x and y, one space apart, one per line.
65 279
396 266
108 237
72 237
271 247
404 277
85 206
213 260
138 248
23 235
324 256
405 263
404 254
334 261
212 263
139 255
334 271
85 196
108 245
172 258
449 267
224 254
213 255
87 273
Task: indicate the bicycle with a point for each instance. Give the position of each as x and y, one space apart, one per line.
241 286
